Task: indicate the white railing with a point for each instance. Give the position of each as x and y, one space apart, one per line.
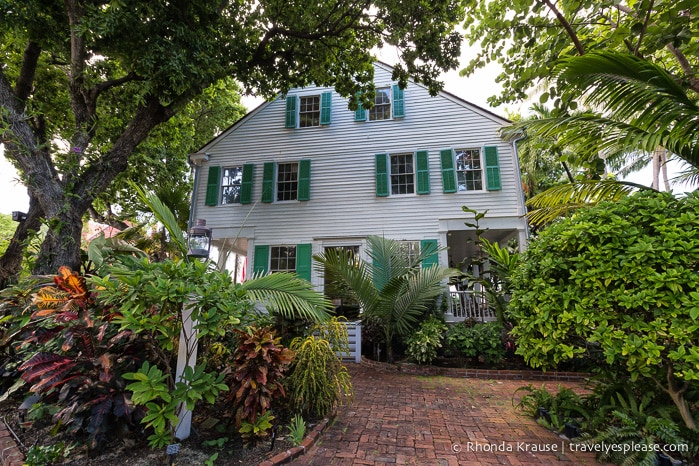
469 304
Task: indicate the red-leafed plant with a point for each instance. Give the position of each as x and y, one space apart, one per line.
80 360
260 362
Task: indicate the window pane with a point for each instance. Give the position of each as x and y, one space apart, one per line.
382 105
309 111
469 171
287 181
231 182
402 174
282 259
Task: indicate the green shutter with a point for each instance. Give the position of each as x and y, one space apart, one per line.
492 169
448 173
290 112
326 102
398 106
268 182
212 185
303 261
432 259
246 185
379 274
260 265
423 172
381 175
304 190
360 113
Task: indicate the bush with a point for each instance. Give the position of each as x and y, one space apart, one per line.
620 278
423 344
482 341
318 380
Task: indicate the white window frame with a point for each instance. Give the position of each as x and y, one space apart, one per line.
231 182
291 194
385 107
314 113
277 253
391 174
462 169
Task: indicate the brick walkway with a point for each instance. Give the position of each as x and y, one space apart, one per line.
442 421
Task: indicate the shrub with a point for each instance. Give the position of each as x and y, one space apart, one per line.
622 278
259 363
423 344
477 340
318 380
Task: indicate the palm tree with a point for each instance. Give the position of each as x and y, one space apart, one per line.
639 109
393 290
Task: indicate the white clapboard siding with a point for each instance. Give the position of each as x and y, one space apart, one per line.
343 202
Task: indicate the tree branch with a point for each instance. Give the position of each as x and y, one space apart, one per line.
25 81
566 25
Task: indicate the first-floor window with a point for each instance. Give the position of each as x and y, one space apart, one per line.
282 259
469 171
231 182
287 181
402 174
411 249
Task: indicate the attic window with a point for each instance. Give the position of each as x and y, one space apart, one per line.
382 105
309 111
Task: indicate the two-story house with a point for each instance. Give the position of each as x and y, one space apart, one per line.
303 173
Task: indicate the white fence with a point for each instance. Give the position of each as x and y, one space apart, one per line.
465 305
354 333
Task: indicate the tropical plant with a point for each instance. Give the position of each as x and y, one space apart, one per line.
254 430
422 345
47 455
258 367
481 341
318 381
392 290
552 411
632 297
297 430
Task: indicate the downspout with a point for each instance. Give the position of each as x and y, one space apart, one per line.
522 206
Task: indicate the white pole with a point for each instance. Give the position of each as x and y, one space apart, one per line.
186 357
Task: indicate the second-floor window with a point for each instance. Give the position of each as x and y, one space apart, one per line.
287 181
402 174
231 184
469 171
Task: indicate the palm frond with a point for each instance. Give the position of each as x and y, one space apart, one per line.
353 273
563 199
287 295
164 216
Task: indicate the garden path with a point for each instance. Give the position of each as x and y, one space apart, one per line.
397 418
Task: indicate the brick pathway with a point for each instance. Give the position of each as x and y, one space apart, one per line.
397 418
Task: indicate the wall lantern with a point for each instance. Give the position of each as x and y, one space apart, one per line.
18 216
199 240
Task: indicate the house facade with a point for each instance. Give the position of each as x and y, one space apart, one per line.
302 173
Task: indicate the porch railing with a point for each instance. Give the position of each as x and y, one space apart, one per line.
469 304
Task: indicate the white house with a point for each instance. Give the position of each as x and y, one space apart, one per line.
303 173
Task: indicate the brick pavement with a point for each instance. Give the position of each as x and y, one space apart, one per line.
397 418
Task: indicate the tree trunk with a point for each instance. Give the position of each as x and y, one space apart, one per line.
62 243
677 392
11 260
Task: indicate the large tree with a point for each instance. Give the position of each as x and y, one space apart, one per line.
77 72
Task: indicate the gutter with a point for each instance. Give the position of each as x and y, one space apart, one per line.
518 171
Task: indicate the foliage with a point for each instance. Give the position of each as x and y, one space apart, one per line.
476 340
47 455
7 229
84 86
527 38
80 358
253 430
297 430
393 290
583 285
259 363
318 381
552 411
423 344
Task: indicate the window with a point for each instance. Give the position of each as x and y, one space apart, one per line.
469 171
282 259
382 105
309 111
411 249
231 185
287 181
402 174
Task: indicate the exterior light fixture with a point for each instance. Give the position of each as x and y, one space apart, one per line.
199 240
18 216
